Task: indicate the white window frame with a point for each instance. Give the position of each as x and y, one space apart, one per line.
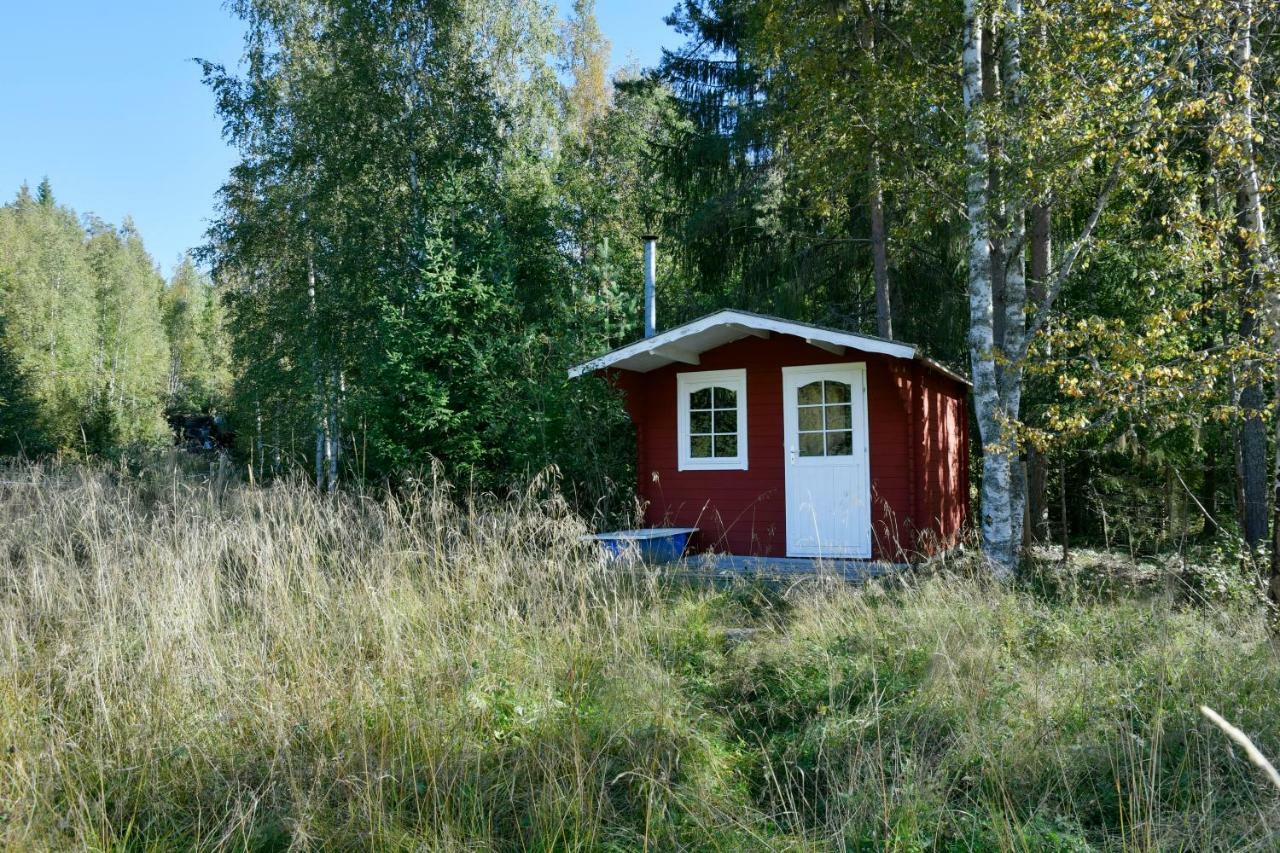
686 385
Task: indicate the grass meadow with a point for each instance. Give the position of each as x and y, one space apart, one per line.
189 662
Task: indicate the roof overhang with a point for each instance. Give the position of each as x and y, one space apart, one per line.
685 344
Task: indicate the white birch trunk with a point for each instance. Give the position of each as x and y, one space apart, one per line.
995 507
1251 184
1015 284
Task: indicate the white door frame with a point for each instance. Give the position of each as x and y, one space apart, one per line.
854 540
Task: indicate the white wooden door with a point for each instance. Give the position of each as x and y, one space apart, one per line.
827 469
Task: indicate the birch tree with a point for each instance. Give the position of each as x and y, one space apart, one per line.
1256 272
47 300
1031 144
992 412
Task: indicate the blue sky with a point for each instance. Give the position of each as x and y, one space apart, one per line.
103 99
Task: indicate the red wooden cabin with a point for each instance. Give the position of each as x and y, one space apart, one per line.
781 439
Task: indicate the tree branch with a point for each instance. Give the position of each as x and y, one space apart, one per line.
1054 285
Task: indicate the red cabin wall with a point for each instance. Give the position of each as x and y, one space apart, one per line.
916 463
943 460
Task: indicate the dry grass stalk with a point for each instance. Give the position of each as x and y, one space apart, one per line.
1255 755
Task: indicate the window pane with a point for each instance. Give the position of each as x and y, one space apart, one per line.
726 399
726 421
810 418
811 393
838 392
726 445
700 446
839 417
811 444
840 443
700 422
700 399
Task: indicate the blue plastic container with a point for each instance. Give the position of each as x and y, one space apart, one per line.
653 545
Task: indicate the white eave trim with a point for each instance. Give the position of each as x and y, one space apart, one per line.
748 324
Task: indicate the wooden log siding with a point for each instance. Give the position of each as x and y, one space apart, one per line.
918 453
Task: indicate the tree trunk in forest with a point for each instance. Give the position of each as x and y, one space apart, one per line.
879 249
1015 282
995 198
1062 509
339 387
320 446
994 505
1208 499
1254 264
1038 275
321 415
258 460
1252 433
1259 271
1274 586
1252 436
875 200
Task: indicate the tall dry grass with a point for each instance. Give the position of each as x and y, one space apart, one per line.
229 667
189 662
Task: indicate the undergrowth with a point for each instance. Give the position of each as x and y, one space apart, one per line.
195 663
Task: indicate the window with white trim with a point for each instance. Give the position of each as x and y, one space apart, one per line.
711 408
825 418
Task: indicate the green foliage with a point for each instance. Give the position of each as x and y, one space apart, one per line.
450 385
195 326
132 357
19 412
410 288
84 352
48 297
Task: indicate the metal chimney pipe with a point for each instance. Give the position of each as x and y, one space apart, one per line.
650 284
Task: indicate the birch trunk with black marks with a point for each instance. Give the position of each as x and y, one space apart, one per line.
995 493
995 191
1015 280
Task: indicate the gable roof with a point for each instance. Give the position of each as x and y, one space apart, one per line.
685 343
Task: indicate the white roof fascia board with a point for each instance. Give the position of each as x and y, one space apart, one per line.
746 324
